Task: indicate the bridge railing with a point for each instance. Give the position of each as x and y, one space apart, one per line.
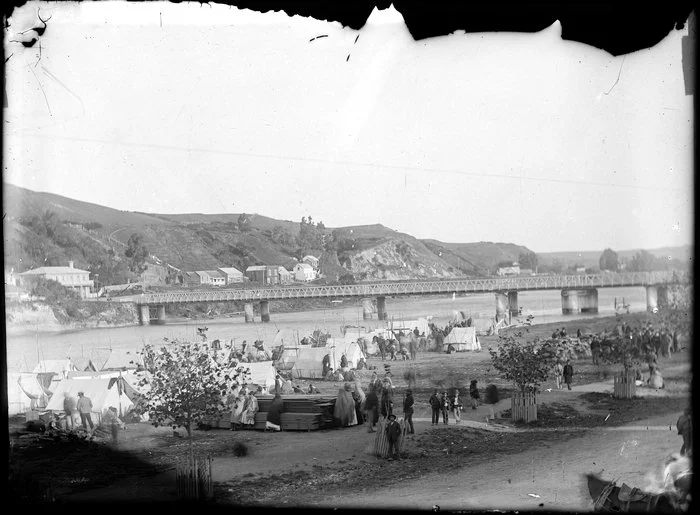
481 285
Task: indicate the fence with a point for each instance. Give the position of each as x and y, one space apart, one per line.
193 477
524 407
624 386
381 442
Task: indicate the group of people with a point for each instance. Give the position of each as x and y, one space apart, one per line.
563 373
442 404
244 405
82 408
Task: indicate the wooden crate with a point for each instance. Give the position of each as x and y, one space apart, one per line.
524 407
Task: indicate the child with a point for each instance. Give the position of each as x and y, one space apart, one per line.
474 394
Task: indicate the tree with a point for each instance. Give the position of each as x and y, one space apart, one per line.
347 279
244 223
137 253
527 260
53 292
526 364
188 383
621 350
609 260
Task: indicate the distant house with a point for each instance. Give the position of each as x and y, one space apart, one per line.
256 273
526 271
580 269
304 272
68 276
191 279
212 277
285 275
233 275
154 274
311 260
514 269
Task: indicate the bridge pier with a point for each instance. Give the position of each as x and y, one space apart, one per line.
657 298
501 305
265 310
144 314
569 302
588 300
160 315
367 309
248 312
512 304
381 308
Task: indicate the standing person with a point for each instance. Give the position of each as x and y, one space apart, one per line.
250 409
374 381
69 407
408 411
372 409
344 410
559 373
359 397
578 333
685 429
112 421
445 407
85 408
457 407
568 374
393 432
434 402
238 403
595 345
274 414
326 362
386 402
474 394
562 333
343 361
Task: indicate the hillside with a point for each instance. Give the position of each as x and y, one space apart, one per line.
591 258
47 229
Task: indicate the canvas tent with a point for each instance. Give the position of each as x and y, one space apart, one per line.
104 392
25 392
410 325
309 362
349 347
462 339
261 373
484 326
60 367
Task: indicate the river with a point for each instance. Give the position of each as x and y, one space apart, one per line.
24 351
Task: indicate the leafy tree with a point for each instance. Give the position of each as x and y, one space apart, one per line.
53 291
621 350
644 261
137 253
527 260
526 364
347 279
188 382
244 224
609 260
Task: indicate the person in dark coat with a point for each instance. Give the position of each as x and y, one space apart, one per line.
372 409
474 394
343 361
434 402
386 403
326 364
274 414
445 407
685 429
568 374
393 432
408 410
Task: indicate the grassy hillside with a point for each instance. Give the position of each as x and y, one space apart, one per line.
47 229
591 258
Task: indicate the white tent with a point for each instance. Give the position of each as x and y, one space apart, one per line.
409 325
261 373
309 362
103 392
287 337
349 347
60 367
484 326
462 339
24 392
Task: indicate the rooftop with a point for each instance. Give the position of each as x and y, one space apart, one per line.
42 270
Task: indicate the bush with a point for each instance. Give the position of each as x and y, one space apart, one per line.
240 449
491 394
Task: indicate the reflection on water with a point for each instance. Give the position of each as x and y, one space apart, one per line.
24 351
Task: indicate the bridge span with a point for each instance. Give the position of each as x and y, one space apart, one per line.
579 292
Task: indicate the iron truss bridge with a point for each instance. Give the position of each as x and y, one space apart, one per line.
498 284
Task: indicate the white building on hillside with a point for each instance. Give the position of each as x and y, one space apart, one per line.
311 260
212 277
304 272
68 276
233 275
285 275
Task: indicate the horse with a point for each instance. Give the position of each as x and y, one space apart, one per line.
609 497
381 343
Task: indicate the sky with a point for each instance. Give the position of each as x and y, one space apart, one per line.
205 108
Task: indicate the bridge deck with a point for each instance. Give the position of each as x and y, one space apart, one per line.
485 285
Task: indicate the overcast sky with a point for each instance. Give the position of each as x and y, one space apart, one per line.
521 138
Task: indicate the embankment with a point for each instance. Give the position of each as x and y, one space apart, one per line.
39 316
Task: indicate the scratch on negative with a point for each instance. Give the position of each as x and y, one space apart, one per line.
618 76
42 90
317 37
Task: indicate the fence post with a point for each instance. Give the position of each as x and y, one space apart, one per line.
624 386
524 407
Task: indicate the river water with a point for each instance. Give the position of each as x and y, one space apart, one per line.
24 351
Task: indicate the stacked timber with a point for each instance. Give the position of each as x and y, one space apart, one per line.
301 412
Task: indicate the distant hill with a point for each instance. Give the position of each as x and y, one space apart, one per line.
43 228
590 258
